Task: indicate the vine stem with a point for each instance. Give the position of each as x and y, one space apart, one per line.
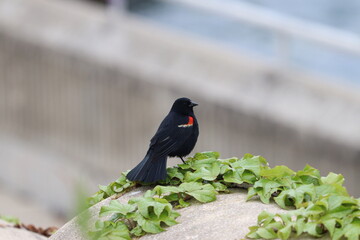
116 196
131 223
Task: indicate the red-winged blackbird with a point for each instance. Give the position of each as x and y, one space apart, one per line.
176 137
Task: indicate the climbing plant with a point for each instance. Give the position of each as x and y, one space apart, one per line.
317 205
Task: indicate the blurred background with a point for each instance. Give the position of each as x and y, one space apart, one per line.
84 85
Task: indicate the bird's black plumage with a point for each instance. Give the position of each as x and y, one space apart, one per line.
175 137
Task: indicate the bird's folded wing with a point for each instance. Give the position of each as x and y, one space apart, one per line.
167 141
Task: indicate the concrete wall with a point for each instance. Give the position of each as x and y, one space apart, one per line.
83 91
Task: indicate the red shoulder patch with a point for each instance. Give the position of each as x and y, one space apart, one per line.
188 124
191 121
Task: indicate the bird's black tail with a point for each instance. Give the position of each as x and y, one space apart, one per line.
150 169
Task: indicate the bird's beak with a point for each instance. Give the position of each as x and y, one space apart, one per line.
193 104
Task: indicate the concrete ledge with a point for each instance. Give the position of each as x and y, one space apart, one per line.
226 218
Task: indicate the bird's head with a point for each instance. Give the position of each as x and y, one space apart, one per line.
184 106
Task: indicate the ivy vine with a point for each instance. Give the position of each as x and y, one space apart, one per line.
317 205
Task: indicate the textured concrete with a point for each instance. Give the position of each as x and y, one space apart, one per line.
71 230
226 218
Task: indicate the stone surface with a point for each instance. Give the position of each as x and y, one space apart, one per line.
71 230
7 232
226 218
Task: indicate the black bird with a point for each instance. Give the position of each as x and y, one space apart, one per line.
176 137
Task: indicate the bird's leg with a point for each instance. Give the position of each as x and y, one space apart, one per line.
182 160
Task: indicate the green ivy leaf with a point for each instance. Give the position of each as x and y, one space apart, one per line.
96 198
264 188
331 189
330 225
122 179
161 190
175 173
251 193
170 221
233 176
116 207
313 228
314 210
172 197
309 175
219 187
265 218
205 155
148 205
285 232
249 177
208 173
300 194
202 193
224 168
183 204
137 231
107 190
277 172
149 226
254 164
299 224
267 233
228 161
208 162
118 186
110 231
337 201
352 231
332 178
253 232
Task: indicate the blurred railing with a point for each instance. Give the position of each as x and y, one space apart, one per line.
285 28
